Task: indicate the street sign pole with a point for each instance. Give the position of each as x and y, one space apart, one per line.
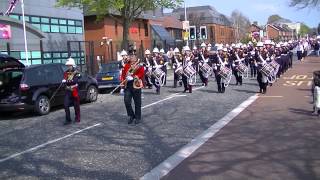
25 34
185 18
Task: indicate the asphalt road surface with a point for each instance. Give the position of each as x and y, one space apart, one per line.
103 145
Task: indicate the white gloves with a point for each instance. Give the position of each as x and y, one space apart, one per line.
64 81
158 66
129 78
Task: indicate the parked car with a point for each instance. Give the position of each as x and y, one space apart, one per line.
109 75
31 88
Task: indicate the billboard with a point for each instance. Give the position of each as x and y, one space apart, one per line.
5 31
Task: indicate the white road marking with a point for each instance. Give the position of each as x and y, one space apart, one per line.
270 96
47 143
169 97
166 166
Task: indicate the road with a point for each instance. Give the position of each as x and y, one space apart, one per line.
103 145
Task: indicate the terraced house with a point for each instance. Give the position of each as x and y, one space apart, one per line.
219 27
49 28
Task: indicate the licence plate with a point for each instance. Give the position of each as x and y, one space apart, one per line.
107 78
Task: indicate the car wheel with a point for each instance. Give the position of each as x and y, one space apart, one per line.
42 105
92 94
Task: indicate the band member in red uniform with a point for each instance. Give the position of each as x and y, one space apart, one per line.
70 78
131 77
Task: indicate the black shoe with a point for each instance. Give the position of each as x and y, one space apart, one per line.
67 123
185 90
130 121
137 121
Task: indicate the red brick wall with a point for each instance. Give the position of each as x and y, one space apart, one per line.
272 33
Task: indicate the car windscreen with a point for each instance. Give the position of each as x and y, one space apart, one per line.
109 67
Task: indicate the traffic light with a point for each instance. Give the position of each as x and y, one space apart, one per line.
192 33
203 32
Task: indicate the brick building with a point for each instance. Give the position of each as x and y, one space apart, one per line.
279 33
219 27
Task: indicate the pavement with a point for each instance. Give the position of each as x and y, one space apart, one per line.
104 146
276 137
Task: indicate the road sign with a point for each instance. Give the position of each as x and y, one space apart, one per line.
185 35
185 25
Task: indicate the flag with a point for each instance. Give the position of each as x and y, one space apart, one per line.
12 5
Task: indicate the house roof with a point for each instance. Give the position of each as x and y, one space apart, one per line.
171 22
206 15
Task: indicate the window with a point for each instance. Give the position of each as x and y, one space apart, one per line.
71 29
63 29
56 55
78 23
27 18
23 55
35 61
63 21
55 28
64 55
54 21
35 19
14 16
15 54
146 30
45 28
45 20
46 55
36 54
79 30
37 25
70 22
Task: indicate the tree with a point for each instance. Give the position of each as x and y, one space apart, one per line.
305 3
274 18
304 30
241 24
128 10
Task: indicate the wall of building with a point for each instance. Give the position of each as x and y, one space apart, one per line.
272 33
139 32
54 41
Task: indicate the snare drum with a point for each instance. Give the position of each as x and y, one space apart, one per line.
225 72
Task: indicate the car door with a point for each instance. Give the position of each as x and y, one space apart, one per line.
54 77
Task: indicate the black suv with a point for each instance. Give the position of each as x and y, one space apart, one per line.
31 88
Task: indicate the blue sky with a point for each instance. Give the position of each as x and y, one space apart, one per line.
260 10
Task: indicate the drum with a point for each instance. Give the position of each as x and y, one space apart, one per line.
179 71
225 72
189 71
267 70
274 64
159 75
242 68
206 70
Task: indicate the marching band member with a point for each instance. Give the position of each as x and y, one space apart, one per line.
203 57
148 69
176 63
260 56
164 62
235 58
124 61
131 77
187 61
217 63
251 54
155 65
70 78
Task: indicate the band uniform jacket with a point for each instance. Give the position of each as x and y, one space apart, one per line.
138 73
72 78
